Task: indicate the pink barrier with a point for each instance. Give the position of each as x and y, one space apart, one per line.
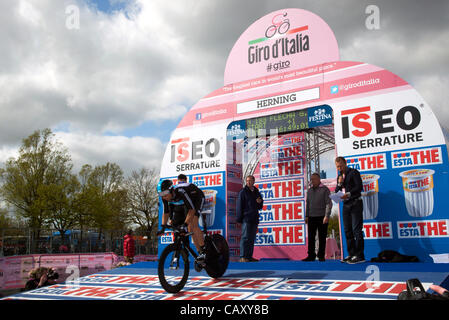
332 249
141 258
14 270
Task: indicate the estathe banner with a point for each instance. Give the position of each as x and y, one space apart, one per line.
283 77
280 174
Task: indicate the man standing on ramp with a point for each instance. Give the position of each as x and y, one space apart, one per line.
350 180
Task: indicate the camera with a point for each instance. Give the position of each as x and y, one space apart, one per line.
415 291
52 275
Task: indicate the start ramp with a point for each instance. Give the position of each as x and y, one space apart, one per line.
260 281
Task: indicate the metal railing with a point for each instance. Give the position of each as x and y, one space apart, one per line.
27 241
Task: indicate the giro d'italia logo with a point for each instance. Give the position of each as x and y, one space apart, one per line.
279 29
280 26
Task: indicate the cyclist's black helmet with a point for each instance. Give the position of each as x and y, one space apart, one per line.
163 188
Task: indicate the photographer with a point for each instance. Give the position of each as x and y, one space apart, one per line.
442 292
41 277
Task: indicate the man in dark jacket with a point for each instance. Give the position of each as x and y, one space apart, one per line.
249 202
350 180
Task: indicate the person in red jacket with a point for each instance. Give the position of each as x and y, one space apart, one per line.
129 247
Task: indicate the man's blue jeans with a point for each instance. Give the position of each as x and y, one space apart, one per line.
249 231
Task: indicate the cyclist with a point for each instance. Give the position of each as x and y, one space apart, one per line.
177 210
192 199
182 178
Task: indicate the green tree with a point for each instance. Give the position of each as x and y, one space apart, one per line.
108 178
5 220
143 200
42 161
105 196
60 199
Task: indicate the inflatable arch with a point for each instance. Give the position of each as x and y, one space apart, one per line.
287 100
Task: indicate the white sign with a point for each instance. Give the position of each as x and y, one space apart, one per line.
386 122
195 150
280 100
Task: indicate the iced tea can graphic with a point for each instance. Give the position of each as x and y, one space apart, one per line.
370 196
418 191
210 200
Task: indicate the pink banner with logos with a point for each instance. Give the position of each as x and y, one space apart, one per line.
14 269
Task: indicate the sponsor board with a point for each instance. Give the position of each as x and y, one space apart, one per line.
195 151
235 176
423 229
281 235
417 157
282 41
281 169
129 293
208 180
302 297
287 151
80 291
342 286
319 116
368 162
146 287
385 122
152 294
282 212
240 283
281 189
169 237
378 230
236 130
120 279
280 179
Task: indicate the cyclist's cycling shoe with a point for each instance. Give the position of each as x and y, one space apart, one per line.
198 268
201 259
174 264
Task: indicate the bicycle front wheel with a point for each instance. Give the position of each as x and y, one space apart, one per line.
173 268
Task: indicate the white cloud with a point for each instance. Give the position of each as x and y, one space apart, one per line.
7 152
111 74
433 89
424 66
155 59
129 153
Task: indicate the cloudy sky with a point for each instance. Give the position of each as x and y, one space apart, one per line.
114 84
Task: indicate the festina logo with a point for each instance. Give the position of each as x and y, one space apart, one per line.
320 115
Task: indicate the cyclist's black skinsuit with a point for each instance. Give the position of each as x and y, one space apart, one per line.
187 196
177 212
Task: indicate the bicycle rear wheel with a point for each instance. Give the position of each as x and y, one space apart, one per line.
173 268
217 256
